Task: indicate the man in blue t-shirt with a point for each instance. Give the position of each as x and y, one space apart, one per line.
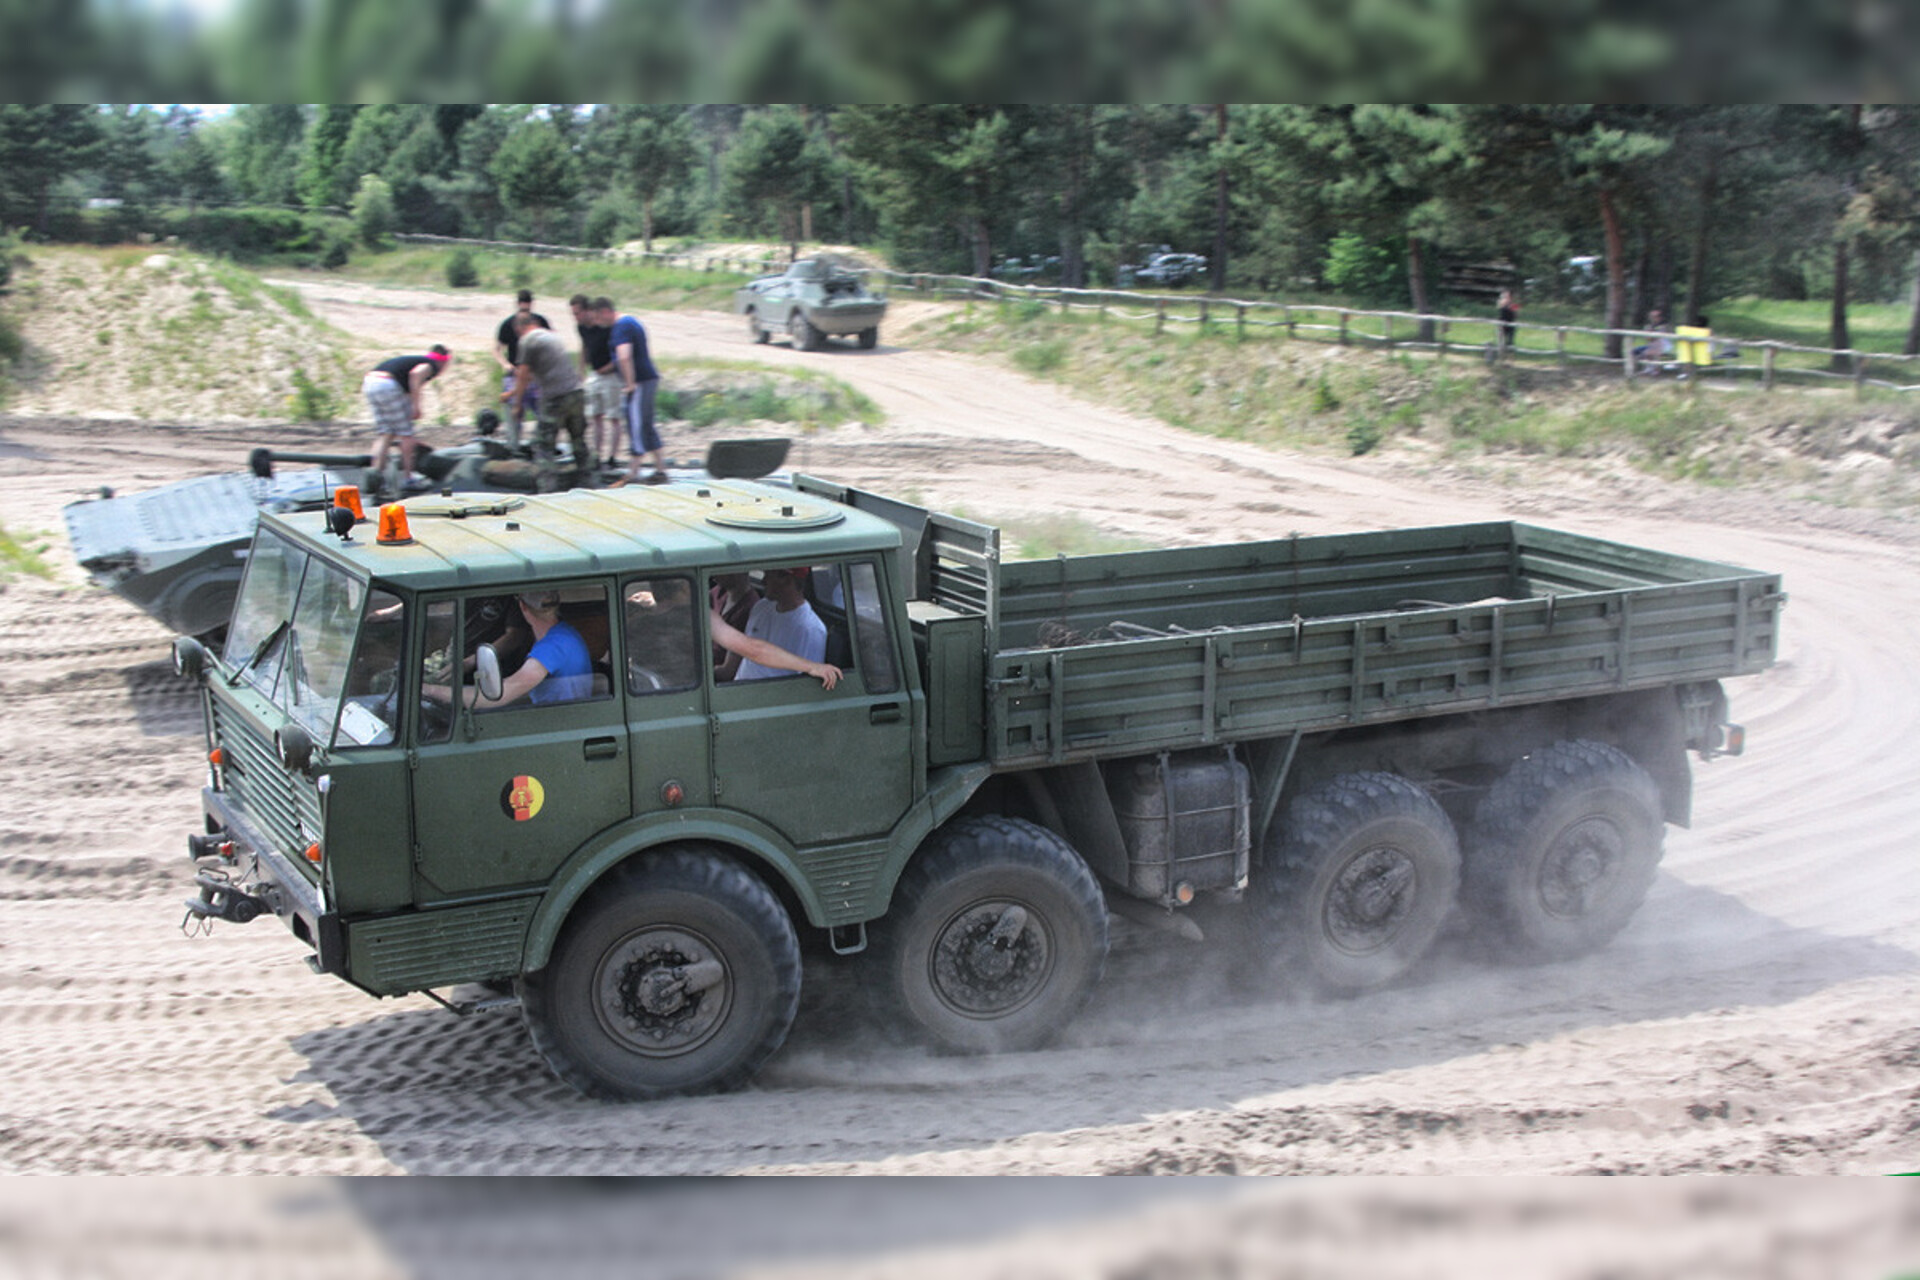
557 669
639 380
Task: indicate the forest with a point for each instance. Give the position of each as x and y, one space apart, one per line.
1623 208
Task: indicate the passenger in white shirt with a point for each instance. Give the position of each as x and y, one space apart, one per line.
782 634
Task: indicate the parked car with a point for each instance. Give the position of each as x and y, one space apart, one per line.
811 301
1170 270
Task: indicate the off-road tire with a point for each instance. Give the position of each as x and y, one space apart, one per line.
587 1010
1562 851
756 330
805 336
1358 880
944 972
869 339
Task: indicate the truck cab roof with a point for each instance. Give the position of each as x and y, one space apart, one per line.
467 540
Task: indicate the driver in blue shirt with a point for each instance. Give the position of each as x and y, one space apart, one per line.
557 669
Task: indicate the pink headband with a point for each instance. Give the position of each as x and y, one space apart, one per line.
438 357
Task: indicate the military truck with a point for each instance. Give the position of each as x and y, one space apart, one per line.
1344 742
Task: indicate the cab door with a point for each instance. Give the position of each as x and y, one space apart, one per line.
825 766
501 797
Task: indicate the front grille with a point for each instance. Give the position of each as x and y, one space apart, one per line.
277 802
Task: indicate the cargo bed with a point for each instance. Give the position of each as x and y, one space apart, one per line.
1094 656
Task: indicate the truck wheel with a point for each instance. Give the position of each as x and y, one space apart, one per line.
1360 877
756 330
869 339
805 336
680 974
1562 851
996 937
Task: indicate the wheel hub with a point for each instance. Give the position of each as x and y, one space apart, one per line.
662 991
990 959
1579 866
1371 898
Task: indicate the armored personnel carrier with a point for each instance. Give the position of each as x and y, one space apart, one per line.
178 551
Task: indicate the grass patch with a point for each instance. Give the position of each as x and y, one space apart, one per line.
1311 393
1045 537
632 285
28 557
710 393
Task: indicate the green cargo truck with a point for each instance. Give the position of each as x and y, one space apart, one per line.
1342 741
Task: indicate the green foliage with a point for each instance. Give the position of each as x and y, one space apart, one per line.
247 233
523 274
11 344
337 254
736 394
1324 399
310 402
1364 435
9 245
18 557
1371 271
537 175
373 216
461 273
1041 357
1050 536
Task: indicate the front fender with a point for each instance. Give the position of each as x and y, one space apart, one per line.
616 844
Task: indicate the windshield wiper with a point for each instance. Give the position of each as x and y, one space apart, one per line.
259 651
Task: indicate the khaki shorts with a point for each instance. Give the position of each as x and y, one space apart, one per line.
603 395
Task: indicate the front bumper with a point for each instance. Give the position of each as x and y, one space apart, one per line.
270 880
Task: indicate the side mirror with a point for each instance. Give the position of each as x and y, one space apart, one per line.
486 670
294 747
189 658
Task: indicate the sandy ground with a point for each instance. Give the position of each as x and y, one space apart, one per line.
1757 1016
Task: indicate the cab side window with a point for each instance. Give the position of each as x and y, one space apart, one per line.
870 632
662 642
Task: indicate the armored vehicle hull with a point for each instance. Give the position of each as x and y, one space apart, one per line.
814 299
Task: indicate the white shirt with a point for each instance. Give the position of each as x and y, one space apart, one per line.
799 631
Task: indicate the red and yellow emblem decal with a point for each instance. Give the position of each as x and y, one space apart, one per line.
523 797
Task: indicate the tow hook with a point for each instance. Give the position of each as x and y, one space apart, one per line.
223 900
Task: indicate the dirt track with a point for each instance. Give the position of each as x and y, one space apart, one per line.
1758 1015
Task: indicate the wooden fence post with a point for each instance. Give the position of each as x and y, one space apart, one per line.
1159 316
1629 364
1288 312
1560 347
1766 368
1240 320
1386 330
1203 316
1859 375
1343 328
1446 327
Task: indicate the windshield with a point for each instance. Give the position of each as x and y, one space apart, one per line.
293 637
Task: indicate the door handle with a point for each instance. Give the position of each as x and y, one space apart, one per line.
601 748
884 713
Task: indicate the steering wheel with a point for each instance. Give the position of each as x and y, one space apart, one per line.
435 717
